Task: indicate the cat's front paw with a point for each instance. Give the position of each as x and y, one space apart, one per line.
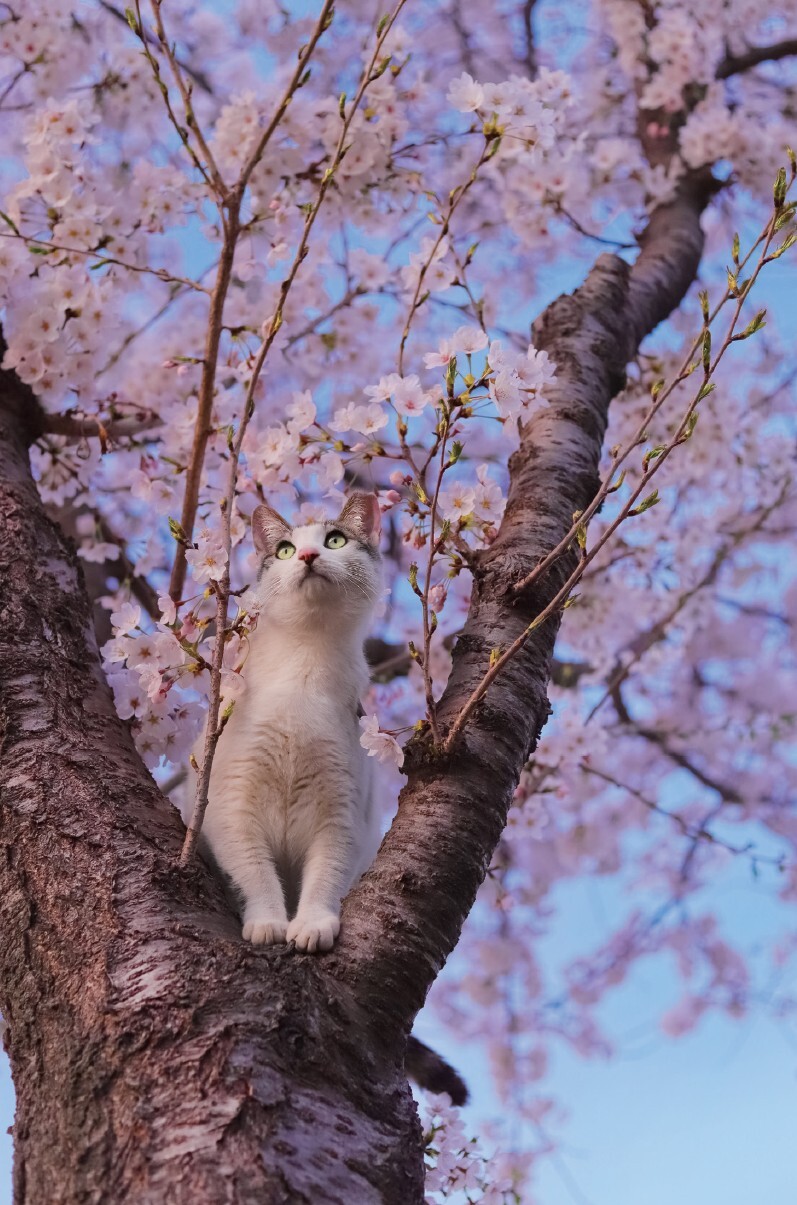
313 934
264 931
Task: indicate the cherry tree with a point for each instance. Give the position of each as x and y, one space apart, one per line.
261 252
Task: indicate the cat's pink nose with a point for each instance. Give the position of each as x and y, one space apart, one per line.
308 555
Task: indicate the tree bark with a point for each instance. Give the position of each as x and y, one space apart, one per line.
156 1057
452 810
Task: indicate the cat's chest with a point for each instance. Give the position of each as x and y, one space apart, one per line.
300 707
283 756
286 729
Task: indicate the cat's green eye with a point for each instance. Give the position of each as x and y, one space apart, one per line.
335 539
285 550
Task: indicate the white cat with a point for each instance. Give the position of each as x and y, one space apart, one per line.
290 814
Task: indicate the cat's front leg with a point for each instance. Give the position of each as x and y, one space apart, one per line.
265 919
249 862
326 877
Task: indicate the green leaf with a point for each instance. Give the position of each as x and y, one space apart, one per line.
614 488
787 242
381 67
178 532
786 214
707 351
752 327
651 500
779 188
652 454
9 222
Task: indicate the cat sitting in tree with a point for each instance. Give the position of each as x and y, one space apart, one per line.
291 818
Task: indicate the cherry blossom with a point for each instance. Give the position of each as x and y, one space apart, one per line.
379 744
465 94
408 396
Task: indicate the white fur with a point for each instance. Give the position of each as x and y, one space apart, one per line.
290 816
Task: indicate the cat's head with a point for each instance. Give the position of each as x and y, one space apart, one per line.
320 570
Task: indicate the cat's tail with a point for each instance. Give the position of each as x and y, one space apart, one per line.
431 1071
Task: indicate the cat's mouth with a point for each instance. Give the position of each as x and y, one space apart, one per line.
312 574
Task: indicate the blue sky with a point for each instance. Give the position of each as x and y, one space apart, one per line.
708 1119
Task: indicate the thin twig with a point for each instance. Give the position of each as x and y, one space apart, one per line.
322 24
695 833
185 92
455 197
215 723
230 208
573 221
197 76
103 259
207 385
428 628
560 598
622 455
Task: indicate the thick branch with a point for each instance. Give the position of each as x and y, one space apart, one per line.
530 47
207 387
74 427
404 919
735 64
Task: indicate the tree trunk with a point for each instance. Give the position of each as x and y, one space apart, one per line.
156 1057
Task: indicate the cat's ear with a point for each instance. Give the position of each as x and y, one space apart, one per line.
268 528
361 513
